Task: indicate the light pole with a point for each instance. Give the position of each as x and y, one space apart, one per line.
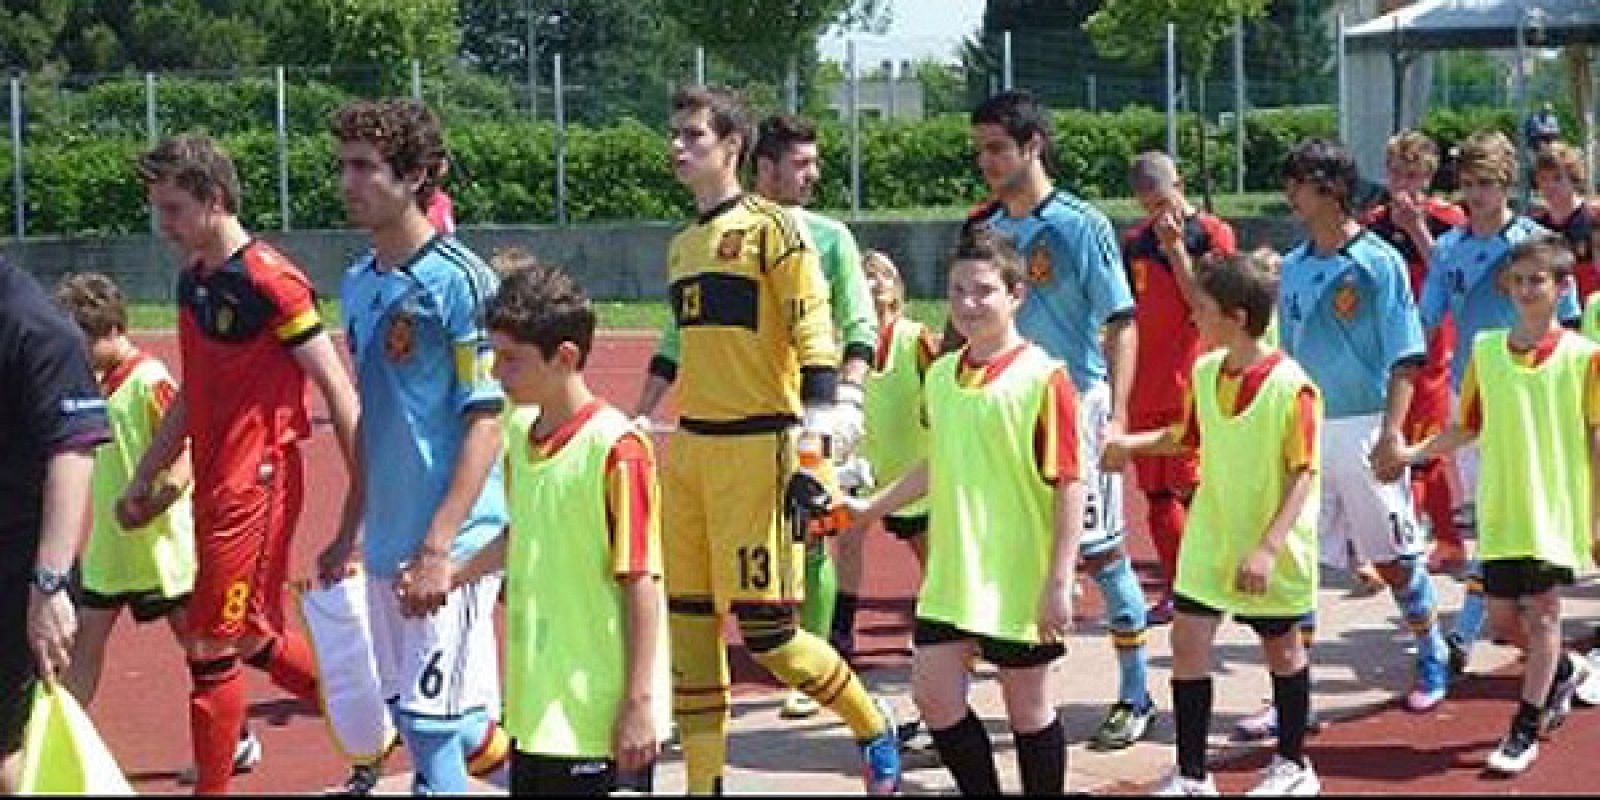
553 20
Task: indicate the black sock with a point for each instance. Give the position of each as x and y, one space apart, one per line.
1042 759
1291 694
969 755
1191 702
1527 718
842 628
1563 672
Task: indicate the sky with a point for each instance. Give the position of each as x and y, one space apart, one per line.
920 29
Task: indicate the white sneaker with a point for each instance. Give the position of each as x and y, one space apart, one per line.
1588 692
1284 778
1514 753
1177 785
246 755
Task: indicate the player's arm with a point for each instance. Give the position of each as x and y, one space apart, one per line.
1405 352
490 559
1458 434
1056 447
634 521
897 495
319 358
801 291
180 475
853 311
480 448
635 744
1121 343
1110 300
136 507
662 372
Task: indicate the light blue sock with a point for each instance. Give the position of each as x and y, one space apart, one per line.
1417 604
436 754
1469 621
473 728
1124 602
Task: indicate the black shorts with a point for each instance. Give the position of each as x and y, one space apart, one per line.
146 606
1265 627
558 775
999 652
906 528
17 667
1522 577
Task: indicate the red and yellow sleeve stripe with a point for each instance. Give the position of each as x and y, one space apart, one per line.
1591 393
1056 433
1471 404
300 327
633 508
1186 431
1302 443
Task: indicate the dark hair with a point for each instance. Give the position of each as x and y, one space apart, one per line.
405 132
727 109
197 165
1242 283
1325 164
1022 116
779 133
541 305
984 243
94 302
1550 251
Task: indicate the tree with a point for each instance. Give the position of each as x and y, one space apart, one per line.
1053 57
764 37
1136 30
29 30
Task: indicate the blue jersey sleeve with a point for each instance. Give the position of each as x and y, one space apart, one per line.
1092 244
464 299
1401 327
1435 298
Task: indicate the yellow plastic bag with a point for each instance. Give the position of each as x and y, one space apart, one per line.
62 753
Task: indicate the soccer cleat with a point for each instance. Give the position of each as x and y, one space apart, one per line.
1515 752
1124 724
246 756
1558 703
1160 613
363 779
1588 692
797 705
1284 778
880 756
1176 785
1429 691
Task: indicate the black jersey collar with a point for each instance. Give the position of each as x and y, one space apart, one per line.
719 209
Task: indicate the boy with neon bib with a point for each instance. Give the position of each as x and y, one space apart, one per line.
1531 397
1251 542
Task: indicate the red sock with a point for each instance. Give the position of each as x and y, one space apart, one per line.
287 659
1166 515
1430 484
216 714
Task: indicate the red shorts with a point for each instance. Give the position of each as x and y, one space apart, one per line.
243 530
1178 473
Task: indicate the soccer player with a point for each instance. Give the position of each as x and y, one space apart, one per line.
1079 309
1006 509
1346 315
1251 546
1411 222
787 171
51 420
149 570
429 446
1531 396
586 665
250 339
1463 286
1162 254
1560 174
756 370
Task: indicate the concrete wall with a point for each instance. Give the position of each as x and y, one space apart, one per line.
615 261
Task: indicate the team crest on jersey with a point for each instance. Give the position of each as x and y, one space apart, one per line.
224 320
1346 302
1039 268
729 246
400 340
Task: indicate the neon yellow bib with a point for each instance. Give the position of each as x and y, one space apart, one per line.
159 556
991 516
1590 325
1533 497
566 658
896 438
1242 482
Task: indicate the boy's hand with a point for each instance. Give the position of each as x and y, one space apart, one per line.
857 509
336 561
135 508
1055 612
1115 454
164 496
1388 457
634 738
1254 571
1169 230
426 583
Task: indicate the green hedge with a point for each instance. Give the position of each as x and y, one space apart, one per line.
504 171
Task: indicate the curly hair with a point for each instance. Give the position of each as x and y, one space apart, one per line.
405 132
94 302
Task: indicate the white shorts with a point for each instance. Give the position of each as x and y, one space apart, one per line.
1362 519
442 665
1103 522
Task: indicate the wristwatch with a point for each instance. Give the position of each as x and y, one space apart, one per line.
49 581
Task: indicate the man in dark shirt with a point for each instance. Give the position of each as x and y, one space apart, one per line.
51 419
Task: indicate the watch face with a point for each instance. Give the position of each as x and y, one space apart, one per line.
49 582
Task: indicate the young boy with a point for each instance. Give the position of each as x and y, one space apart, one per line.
51 420
1347 317
430 445
1078 308
1411 221
1560 174
148 570
1463 286
586 669
1162 254
1531 397
1006 511
251 340
1251 545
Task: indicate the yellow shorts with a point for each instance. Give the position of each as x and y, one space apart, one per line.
724 534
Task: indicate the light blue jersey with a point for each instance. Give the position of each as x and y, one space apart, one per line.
1462 282
422 362
1076 282
1348 318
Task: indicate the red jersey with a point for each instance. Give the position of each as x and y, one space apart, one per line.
1581 229
1168 340
245 393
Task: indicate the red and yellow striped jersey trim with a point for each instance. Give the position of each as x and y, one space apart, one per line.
298 325
1236 390
1472 397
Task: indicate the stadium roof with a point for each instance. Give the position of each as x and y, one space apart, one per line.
1475 24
